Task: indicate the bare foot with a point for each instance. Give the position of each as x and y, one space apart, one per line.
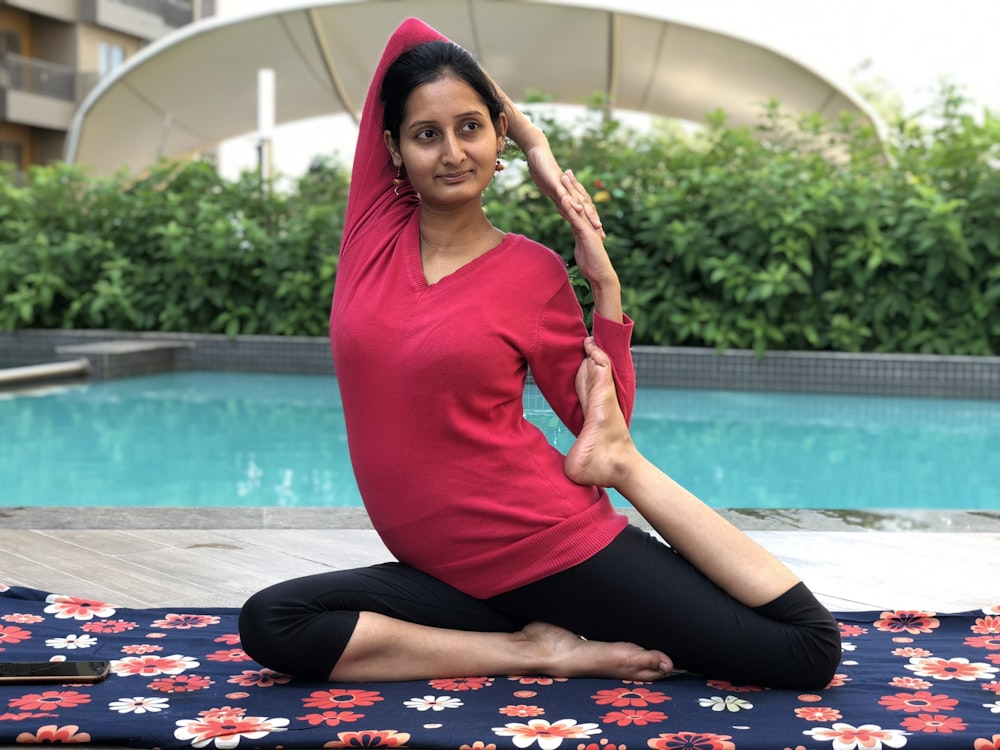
603 451
568 655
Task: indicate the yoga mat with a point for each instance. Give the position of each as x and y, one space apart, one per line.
180 679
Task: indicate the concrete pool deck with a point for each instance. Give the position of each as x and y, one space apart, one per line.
195 557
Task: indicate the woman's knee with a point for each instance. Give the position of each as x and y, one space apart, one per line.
258 632
291 635
822 641
813 638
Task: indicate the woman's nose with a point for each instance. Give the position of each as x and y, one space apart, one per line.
453 152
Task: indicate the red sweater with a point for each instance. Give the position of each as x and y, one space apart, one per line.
455 480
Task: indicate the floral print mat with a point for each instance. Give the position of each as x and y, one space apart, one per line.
180 679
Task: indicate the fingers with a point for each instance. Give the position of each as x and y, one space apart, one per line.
595 353
580 199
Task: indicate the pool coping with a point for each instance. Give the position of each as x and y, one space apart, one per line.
124 353
748 519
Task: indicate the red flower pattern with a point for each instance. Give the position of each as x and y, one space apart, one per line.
335 698
987 625
461 683
181 684
932 723
11 634
232 654
989 642
141 648
227 726
909 621
536 679
818 714
330 718
54 735
549 735
151 665
629 697
108 626
521 710
22 619
692 741
865 737
958 668
911 703
185 621
73 607
851 631
259 678
370 738
50 700
629 716
910 683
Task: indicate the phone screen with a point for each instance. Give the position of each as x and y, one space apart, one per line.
53 671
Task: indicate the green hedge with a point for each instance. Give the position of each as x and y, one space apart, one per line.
728 238
180 250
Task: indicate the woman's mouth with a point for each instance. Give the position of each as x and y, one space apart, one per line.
453 177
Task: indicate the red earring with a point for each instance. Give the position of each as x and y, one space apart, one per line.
398 182
499 166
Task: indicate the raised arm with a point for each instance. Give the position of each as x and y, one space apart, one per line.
372 174
542 164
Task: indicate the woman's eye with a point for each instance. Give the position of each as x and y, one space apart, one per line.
471 126
425 134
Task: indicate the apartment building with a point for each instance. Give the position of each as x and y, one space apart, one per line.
53 52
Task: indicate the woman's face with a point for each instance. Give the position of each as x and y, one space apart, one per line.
447 142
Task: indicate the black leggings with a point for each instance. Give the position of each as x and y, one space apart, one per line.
637 589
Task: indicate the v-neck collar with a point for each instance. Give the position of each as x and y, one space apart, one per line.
415 264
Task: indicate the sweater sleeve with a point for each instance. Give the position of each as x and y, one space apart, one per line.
372 173
558 353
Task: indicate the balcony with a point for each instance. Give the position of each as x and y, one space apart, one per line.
145 19
37 92
174 13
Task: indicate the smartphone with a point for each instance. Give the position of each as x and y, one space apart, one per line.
53 671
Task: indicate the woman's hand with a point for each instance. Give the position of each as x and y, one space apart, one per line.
550 179
591 256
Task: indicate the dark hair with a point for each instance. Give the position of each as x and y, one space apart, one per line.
427 63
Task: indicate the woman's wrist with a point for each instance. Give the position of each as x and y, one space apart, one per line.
607 295
529 137
522 131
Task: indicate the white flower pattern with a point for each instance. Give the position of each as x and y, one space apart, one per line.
729 703
72 641
433 703
139 705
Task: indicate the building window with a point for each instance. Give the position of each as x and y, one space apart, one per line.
111 56
12 153
10 41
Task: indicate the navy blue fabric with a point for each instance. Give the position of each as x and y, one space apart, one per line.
180 679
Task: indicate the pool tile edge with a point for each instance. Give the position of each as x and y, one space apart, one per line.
777 519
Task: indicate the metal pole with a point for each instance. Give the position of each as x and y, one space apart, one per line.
265 122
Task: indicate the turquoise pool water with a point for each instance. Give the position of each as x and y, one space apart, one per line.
233 439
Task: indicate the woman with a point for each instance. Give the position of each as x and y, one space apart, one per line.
511 557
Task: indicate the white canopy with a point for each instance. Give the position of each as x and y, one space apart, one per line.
198 86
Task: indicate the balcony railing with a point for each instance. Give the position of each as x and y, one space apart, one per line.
175 13
37 77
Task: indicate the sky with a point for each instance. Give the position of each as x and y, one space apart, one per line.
909 45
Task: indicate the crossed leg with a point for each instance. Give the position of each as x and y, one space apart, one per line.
386 648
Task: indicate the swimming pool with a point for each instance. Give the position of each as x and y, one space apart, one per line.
235 439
